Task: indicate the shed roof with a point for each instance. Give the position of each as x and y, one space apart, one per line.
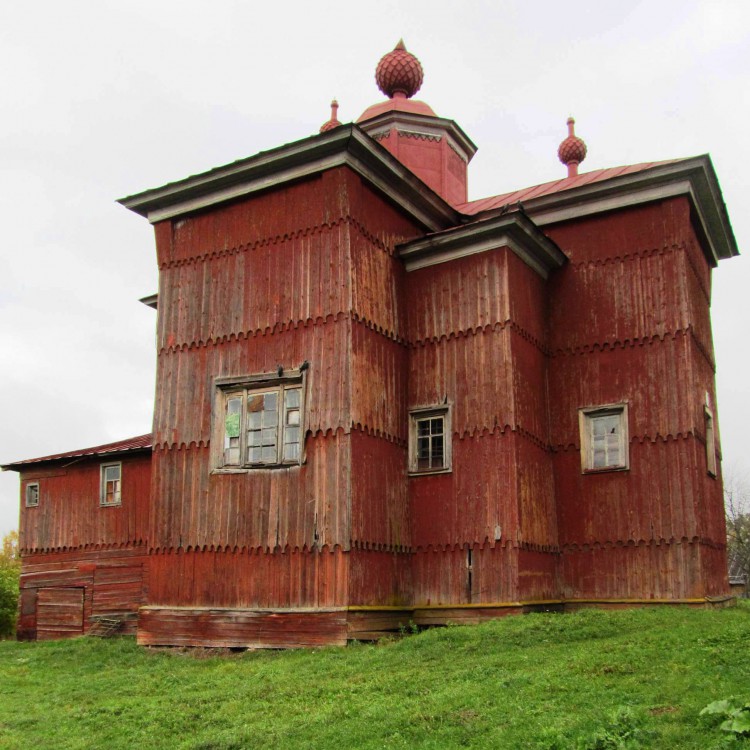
140 443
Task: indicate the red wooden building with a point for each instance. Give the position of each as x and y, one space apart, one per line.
379 402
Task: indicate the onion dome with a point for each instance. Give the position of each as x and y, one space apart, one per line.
572 150
399 73
334 121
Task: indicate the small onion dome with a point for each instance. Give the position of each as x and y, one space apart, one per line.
572 150
334 121
399 72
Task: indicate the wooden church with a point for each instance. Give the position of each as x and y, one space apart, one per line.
378 402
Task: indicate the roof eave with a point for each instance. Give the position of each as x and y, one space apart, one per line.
416 120
515 230
694 177
346 145
75 456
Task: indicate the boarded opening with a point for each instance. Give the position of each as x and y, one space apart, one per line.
59 613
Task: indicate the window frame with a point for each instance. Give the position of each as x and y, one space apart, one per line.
586 420
103 481
26 493
227 387
443 411
712 468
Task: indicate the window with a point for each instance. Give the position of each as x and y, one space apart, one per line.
109 489
32 494
429 440
710 437
260 422
604 437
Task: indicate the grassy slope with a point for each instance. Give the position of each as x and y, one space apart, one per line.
540 681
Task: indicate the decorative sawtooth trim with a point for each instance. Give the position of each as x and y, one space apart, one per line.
643 255
270 330
627 257
442 547
498 326
419 136
697 274
457 152
86 547
381 330
233 549
628 343
475 433
360 545
401 442
372 237
290 236
634 440
181 445
257 243
609 544
380 136
702 349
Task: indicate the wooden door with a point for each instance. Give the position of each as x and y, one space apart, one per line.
59 613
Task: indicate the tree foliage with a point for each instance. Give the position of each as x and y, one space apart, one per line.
10 569
737 506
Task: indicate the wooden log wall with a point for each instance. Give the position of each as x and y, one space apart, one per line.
63 592
629 322
225 628
69 514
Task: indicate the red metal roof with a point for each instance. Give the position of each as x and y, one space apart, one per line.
142 442
556 186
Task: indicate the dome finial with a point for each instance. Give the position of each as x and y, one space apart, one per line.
572 150
334 121
399 74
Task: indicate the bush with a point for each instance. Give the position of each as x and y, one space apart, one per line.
10 569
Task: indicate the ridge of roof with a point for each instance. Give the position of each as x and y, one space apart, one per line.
138 443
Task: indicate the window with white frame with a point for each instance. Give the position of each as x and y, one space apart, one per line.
710 437
32 494
259 422
429 440
110 484
604 437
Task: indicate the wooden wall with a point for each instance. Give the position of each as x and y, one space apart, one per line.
629 322
63 592
304 273
69 515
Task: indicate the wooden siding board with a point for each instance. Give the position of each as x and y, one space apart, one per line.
182 413
237 628
380 500
464 295
69 513
661 497
295 506
282 578
60 613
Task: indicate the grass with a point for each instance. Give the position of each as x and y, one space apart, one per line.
592 680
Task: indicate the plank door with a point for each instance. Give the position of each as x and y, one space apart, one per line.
59 613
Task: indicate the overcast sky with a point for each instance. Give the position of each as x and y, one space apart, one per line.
103 99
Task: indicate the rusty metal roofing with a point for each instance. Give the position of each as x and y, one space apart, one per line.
556 186
142 442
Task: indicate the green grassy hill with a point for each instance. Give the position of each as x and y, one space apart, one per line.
626 679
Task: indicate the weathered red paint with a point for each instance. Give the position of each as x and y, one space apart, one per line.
348 544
